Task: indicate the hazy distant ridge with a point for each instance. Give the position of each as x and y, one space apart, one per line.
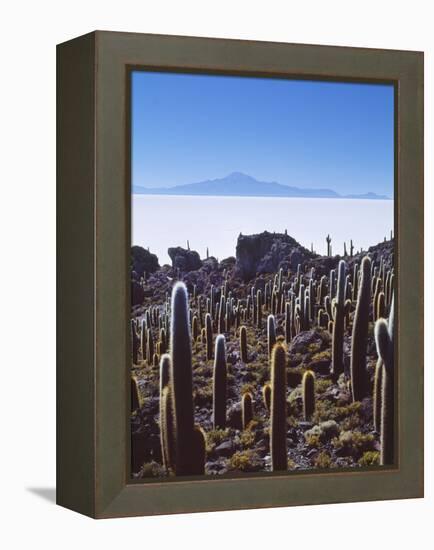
238 184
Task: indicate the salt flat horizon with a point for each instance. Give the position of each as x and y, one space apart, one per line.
214 222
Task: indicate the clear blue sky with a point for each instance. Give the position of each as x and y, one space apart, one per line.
189 128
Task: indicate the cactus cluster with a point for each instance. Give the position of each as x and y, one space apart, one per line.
221 332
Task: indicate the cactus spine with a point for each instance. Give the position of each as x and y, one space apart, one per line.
359 377
243 344
308 387
384 339
219 384
279 459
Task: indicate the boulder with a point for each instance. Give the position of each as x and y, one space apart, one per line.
265 252
143 262
183 259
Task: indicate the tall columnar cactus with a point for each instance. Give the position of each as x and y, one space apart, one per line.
182 381
355 281
302 304
271 334
378 382
359 376
198 452
259 309
279 460
135 398
208 336
246 410
329 248
243 344
380 306
220 383
322 290
195 328
288 322
143 333
149 348
377 290
338 311
135 343
384 338
308 386
266 394
167 438
222 314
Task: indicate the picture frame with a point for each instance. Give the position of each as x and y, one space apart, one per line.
93 229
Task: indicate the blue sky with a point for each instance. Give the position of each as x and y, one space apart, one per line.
188 128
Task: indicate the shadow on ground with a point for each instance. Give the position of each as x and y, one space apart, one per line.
47 493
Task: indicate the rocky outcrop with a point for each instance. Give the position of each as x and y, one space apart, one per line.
268 252
183 259
143 262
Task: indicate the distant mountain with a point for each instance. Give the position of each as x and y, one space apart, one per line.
238 184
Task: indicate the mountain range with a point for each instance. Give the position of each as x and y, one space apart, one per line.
238 184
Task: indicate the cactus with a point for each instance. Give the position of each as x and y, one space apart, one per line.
271 334
135 343
378 285
135 396
288 322
181 377
339 309
384 339
279 459
208 336
259 309
359 377
308 389
219 383
222 307
195 328
329 248
246 410
355 281
243 344
266 394
166 415
322 290
143 338
380 306
198 452
149 347
377 395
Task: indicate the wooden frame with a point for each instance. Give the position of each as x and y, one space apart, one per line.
93 286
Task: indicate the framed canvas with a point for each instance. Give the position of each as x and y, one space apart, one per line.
240 274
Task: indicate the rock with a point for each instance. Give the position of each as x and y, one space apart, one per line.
137 294
234 416
304 425
325 431
185 260
302 340
224 449
320 366
143 262
265 252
